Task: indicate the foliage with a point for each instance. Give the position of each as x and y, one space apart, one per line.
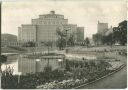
47 69
119 35
48 44
78 70
3 59
29 44
87 42
17 48
108 39
8 80
71 41
97 38
61 42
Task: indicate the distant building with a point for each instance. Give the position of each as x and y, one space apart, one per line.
110 30
80 34
102 28
8 39
27 33
44 28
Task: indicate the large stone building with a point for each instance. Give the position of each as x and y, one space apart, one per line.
44 29
102 28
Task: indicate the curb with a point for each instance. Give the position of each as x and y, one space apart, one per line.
118 69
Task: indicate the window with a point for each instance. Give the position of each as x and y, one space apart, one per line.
49 22
44 22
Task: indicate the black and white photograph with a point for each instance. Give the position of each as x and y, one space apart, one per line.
63 44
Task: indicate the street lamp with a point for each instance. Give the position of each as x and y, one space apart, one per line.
67 38
61 62
67 34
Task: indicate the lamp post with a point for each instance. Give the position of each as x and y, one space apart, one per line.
67 39
67 35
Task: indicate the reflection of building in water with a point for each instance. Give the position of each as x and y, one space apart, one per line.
27 65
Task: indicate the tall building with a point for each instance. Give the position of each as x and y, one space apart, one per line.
102 28
44 28
27 33
80 34
110 30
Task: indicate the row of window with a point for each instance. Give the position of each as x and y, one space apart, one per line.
49 22
51 16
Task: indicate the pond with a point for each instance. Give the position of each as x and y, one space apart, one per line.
24 65
117 80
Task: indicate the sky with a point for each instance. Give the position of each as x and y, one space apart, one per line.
84 13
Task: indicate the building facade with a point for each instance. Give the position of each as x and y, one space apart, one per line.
102 28
8 39
27 33
44 28
110 30
80 34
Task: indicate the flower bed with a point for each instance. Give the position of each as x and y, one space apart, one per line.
63 84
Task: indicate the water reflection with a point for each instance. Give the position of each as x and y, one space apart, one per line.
12 65
27 65
80 56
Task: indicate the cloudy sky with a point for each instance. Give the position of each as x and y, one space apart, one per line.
85 13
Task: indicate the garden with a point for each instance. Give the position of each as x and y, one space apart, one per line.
76 73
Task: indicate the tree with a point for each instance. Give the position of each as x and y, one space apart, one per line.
47 69
87 42
29 44
61 42
71 40
97 38
108 39
116 35
123 32
120 33
47 72
48 44
67 67
8 80
3 59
